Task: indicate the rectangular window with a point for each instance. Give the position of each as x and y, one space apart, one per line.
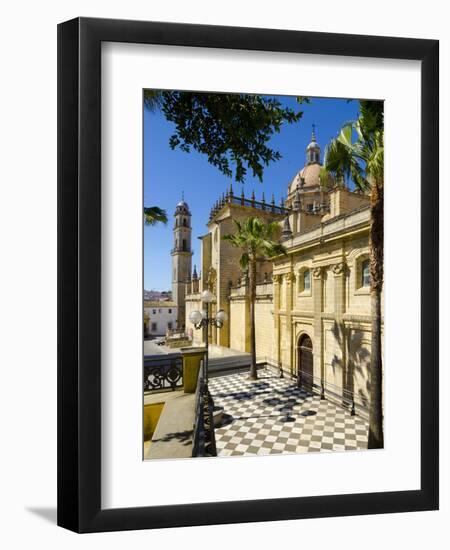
154 311
154 327
365 273
169 325
307 280
170 311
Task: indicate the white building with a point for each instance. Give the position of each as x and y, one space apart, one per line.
159 317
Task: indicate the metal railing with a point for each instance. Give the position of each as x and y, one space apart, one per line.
204 440
241 200
163 373
339 395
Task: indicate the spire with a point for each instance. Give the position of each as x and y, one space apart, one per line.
313 133
194 273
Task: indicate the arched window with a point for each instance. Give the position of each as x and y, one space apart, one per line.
184 245
184 222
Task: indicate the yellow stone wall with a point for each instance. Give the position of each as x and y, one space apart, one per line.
264 329
192 360
152 412
239 325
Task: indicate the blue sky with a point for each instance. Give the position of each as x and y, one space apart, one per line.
168 173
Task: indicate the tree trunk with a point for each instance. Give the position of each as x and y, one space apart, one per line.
376 438
252 282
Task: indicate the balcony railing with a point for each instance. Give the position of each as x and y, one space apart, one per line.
230 198
204 441
163 373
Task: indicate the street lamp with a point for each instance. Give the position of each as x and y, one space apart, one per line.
202 320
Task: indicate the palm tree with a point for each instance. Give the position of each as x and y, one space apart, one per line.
256 239
363 160
154 215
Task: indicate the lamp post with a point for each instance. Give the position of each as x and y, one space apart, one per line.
203 320
204 438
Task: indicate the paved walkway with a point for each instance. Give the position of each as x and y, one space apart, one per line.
272 415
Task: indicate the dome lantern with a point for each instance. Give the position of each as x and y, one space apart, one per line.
313 149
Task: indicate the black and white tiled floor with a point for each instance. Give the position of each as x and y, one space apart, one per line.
272 415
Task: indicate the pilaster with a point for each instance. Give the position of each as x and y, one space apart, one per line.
318 276
340 271
276 314
290 285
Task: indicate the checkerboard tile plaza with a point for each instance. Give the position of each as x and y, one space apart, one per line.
272 415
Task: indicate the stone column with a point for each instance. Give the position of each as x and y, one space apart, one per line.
318 275
290 286
276 315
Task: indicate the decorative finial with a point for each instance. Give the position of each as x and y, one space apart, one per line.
182 195
287 231
313 134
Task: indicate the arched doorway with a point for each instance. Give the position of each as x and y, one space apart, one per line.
305 363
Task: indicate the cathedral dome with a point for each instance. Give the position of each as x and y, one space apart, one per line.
310 174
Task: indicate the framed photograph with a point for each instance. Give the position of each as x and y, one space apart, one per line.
248 275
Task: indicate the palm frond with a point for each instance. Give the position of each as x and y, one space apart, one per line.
358 151
154 215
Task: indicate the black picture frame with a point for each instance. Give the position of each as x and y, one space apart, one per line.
79 274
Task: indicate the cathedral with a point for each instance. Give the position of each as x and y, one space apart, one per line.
313 305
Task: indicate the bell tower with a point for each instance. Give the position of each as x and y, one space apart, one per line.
181 258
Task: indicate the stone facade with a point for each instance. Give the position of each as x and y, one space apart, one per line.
318 293
159 317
